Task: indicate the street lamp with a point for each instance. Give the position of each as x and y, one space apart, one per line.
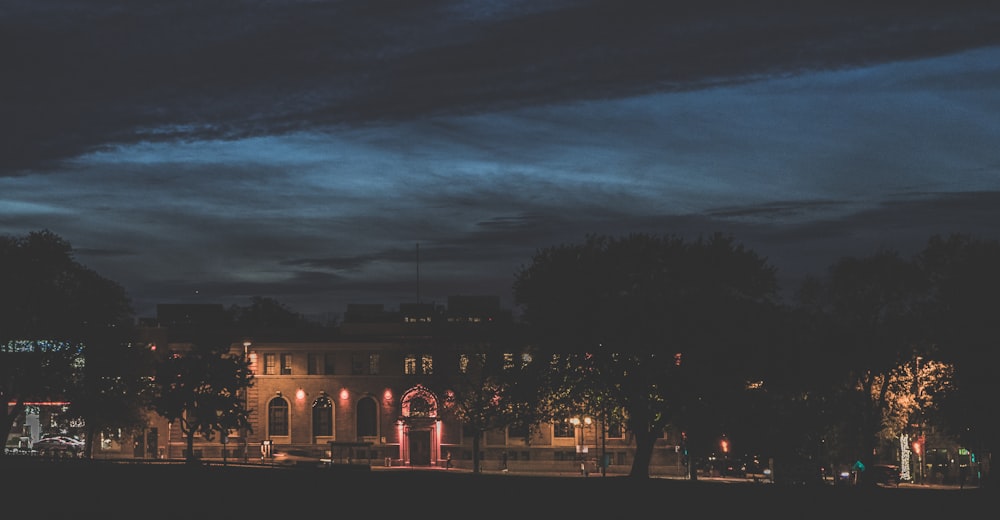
246 405
581 448
918 446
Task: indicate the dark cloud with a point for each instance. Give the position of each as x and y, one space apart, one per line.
94 73
301 149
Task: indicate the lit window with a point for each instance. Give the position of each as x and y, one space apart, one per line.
463 363
286 364
270 364
562 428
422 364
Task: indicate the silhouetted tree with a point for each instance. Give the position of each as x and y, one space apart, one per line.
264 312
63 333
965 274
496 385
200 389
660 327
873 306
782 415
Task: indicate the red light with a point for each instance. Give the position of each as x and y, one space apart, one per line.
725 446
916 447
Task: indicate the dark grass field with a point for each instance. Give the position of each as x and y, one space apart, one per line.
40 489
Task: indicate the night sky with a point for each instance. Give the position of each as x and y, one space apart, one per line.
208 152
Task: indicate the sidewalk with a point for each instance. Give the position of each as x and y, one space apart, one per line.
720 480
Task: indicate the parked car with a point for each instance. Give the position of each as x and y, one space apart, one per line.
881 475
59 445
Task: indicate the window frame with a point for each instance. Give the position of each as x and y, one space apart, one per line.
322 416
277 417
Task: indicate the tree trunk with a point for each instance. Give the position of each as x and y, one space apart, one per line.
190 458
644 441
692 469
88 442
8 420
476 463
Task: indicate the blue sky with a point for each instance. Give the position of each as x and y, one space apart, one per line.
300 150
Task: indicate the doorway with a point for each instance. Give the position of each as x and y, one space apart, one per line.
420 447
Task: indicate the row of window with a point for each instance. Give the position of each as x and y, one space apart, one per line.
367 420
322 417
368 363
566 429
324 364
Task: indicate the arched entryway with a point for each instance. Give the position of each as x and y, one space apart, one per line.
420 428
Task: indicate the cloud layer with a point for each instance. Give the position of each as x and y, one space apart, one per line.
213 151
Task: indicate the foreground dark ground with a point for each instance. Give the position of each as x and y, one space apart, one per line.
37 488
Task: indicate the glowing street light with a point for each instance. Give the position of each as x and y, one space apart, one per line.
581 449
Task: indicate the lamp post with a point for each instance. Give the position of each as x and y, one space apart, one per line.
919 445
581 448
246 405
604 445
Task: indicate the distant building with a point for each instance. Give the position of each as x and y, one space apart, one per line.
366 394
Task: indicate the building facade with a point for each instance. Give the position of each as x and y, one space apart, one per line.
366 397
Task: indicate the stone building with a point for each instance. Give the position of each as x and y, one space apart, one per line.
364 396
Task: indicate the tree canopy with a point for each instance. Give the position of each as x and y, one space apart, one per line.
657 326
965 277
201 388
64 332
871 305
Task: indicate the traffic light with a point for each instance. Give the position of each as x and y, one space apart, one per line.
725 446
917 447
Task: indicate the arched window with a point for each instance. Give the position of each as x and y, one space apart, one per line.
419 407
367 417
322 417
277 417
